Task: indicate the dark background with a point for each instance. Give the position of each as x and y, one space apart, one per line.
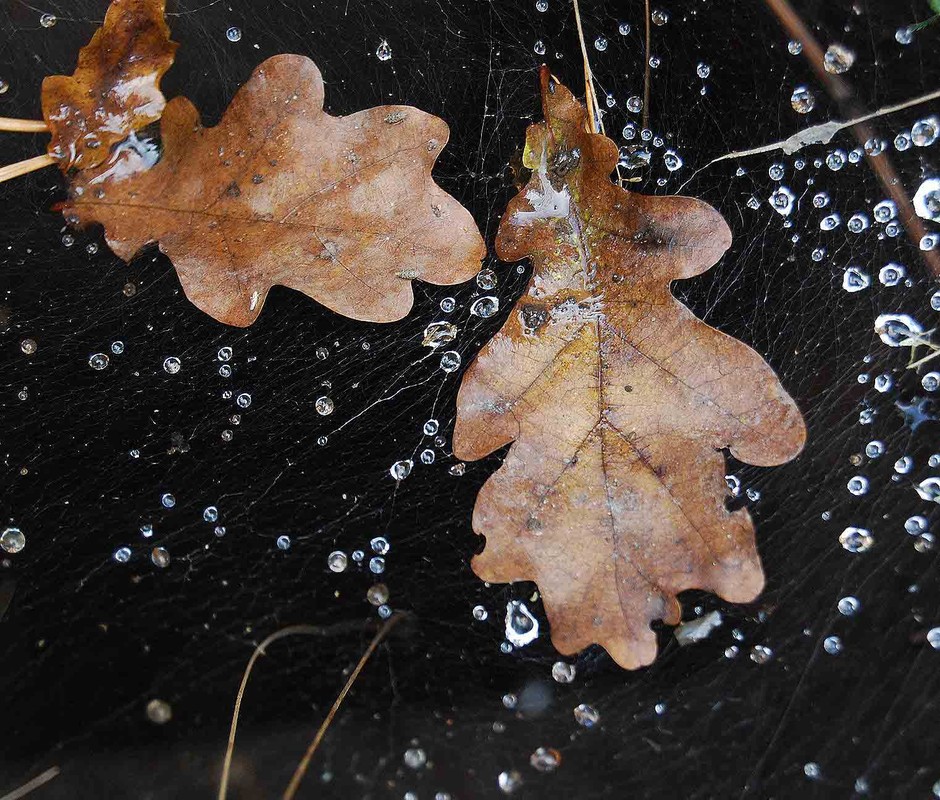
86 643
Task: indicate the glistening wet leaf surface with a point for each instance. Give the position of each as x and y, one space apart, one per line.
126 414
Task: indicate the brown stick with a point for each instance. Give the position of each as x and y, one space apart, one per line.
301 770
841 91
23 167
23 125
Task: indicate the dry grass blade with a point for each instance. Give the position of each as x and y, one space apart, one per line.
23 125
291 630
40 780
301 770
12 171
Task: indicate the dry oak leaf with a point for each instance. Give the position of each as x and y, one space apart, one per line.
618 401
115 89
343 209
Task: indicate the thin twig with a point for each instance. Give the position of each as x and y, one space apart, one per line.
792 144
31 785
646 71
301 770
842 93
291 630
23 125
11 171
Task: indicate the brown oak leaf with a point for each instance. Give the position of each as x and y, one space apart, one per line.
115 89
618 402
343 209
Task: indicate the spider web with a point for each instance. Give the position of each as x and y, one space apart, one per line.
87 455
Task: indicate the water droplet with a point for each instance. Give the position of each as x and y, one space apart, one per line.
324 406
927 200
243 400
811 770
450 361
794 47
782 201
224 354
904 35
830 222
159 712
28 346
401 469
635 104
761 654
337 561
415 758
122 555
858 485
838 59
160 557
521 627
545 759
703 70
12 540
802 100
586 716
874 449
600 43
485 307
509 781
924 132
439 333
541 5
377 565
233 34
99 361
856 540
933 639
377 594
832 645
891 274
849 606
931 381
172 365
167 500
929 489
854 280
836 160
672 160
897 330
283 542
857 223
480 614
383 52
48 20
486 279
563 672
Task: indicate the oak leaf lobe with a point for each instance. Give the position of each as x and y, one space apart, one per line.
115 89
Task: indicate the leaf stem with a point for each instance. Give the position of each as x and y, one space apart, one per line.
23 125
